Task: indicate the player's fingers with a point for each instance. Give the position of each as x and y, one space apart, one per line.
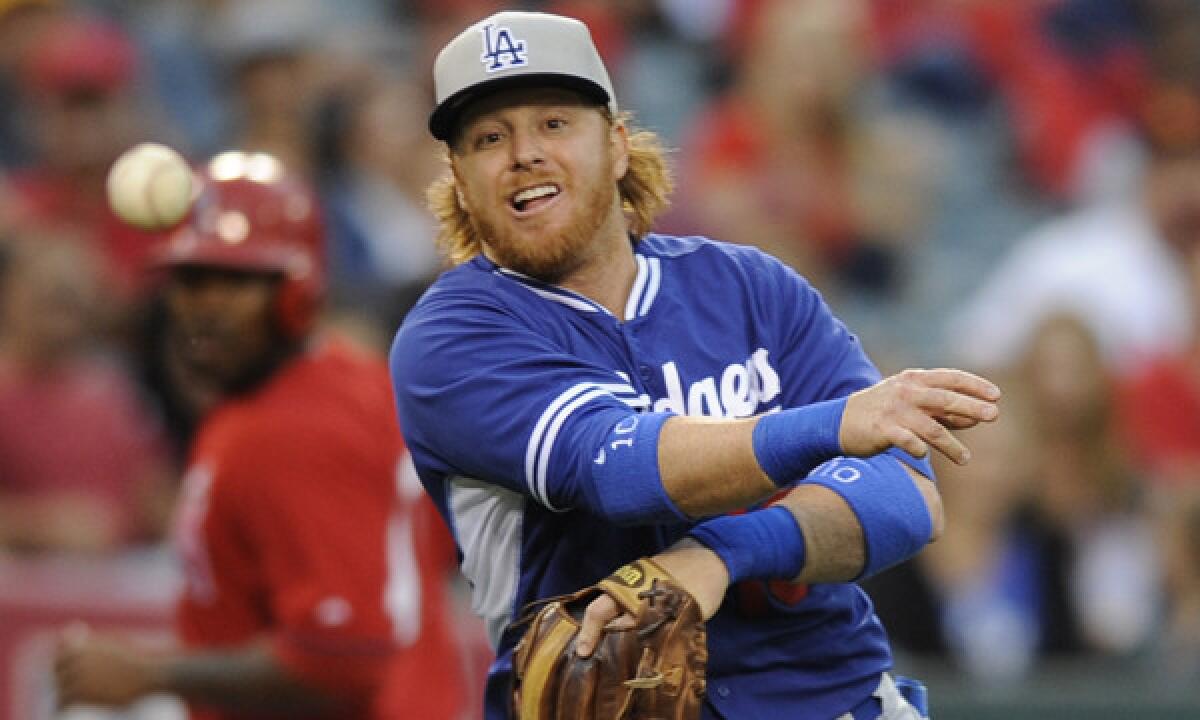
938 437
625 622
908 441
599 613
956 422
959 381
939 401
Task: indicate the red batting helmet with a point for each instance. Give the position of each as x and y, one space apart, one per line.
250 214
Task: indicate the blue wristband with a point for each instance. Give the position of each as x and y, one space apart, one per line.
790 443
759 545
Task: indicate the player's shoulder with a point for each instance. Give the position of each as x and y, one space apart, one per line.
704 255
333 366
472 296
461 293
697 246
331 379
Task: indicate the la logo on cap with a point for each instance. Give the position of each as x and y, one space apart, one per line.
501 50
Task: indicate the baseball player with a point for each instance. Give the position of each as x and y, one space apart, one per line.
312 583
579 392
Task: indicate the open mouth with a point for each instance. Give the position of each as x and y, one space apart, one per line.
532 198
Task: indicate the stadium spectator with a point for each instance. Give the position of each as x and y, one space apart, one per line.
1049 512
382 249
1117 265
79 92
272 51
82 462
788 162
21 23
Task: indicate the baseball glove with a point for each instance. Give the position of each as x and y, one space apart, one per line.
654 670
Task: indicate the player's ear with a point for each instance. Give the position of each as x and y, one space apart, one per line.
619 141
458 193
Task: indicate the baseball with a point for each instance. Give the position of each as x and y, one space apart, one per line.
150 186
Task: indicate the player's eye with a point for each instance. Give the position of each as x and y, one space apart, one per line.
487 139
556 123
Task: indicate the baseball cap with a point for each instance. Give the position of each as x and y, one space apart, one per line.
516 49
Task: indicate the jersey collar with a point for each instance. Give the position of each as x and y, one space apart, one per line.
645 286
641 296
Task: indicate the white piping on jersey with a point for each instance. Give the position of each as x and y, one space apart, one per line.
655 271
645 286
552 435
487 521
545 432
552 292
641 296
618 388
565 300
639 284
626 394
541 442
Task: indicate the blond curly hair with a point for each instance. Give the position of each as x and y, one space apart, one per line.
645 193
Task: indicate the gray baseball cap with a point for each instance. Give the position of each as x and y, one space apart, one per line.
516 49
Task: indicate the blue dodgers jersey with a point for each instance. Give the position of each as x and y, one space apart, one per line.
507 387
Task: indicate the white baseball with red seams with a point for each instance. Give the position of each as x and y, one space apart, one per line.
150 186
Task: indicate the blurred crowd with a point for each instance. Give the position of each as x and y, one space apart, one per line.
1009 186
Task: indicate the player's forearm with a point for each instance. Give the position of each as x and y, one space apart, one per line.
835 550
248 679
708 465
834 535
819 533
713 466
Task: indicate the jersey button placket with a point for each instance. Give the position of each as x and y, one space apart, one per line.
645 370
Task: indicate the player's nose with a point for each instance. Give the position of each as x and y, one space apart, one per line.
526 149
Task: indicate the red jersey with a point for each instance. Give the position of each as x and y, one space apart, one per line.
301 521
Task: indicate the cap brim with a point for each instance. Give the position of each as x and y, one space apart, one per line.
445 117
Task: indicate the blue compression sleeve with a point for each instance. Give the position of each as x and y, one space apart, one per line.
891 510
790 443
759 545
626 486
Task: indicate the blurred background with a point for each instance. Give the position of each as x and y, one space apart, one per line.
1008 186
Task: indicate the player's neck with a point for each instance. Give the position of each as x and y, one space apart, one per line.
607 278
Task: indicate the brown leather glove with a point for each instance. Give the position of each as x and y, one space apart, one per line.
653 670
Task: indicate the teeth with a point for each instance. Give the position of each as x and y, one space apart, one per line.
534 193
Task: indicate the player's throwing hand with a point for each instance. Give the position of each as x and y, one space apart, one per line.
915 410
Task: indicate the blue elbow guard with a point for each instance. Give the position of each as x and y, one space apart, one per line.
790 443
759 545
891 510
626 485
